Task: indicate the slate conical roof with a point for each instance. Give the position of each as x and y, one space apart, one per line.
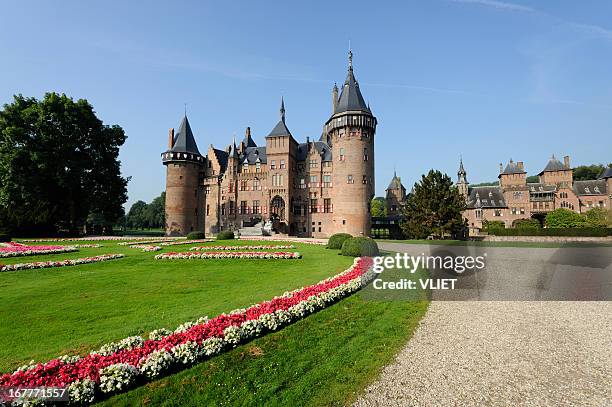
606 174
350 98
512 168
281 128
396 182
184 142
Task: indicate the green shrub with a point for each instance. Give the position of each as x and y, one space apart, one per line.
335 241
586 232
565 218
196 235
359 246
489 225
526 223
225 235
598 217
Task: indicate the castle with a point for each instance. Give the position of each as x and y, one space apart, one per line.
311 189
515 198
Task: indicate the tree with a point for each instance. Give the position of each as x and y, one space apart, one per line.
379 207
598 217
58 164
137 216
585 172
527 223
433 207
532 179
156 212
565 218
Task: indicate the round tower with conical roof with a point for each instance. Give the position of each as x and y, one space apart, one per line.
184 168
350 132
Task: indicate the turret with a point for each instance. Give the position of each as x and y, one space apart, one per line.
350 132
396 195
462 182
184 163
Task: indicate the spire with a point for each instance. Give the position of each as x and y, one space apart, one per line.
461 174
350 97
350 59
282 109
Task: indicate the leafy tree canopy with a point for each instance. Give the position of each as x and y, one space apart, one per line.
565 218
379 207
586 172
433 207
58 164
142 215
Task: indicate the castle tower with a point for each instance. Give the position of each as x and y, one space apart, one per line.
184 164
350 133
396 196
462 183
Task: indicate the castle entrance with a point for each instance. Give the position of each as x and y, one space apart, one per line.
277 214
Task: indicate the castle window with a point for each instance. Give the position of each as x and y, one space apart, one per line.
243 207
327 180
313 180
245 167
393 208
207 210
497 212
327 205
244 185
313 164
256 208
207 189
273 164
327 164
222 209
344 221
313 206
364 179
256 186
302 183
231 207
257 167
365 154
282 164
349 179
478 213
341 154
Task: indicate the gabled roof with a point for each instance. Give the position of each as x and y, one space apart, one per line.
554 165
222 158
607 173
591 187
486 197
252 154
248 141
322 148
184 142
540 187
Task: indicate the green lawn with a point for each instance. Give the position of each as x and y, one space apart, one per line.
325 359
496 244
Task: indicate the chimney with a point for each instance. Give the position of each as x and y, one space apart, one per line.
248 132
334 98
566 161
501 168
170 138
520 166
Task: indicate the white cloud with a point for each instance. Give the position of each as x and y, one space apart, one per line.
500 5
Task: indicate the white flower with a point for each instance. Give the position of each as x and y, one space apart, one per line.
187 353
82 391
117 377
232 335
212 346
184 327
158 334
269 321
156 363
251 329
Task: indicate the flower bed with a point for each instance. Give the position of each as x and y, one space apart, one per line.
318 242
229 255
96 238
186 242
12 249
146 247
135 242
120 365
87 246
60 263
279 247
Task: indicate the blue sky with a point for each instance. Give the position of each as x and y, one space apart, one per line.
488 80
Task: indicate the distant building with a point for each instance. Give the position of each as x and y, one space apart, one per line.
395 196
312 189
515 198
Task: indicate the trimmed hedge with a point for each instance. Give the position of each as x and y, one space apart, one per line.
585 232
359 246
225 235
196 235
335 241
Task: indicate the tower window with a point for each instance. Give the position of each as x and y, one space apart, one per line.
349 179
364 179
341 154
273 164
282 164
365 154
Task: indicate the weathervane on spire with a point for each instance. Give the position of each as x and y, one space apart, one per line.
350 59
282 109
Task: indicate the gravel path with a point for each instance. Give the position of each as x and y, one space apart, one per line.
503 354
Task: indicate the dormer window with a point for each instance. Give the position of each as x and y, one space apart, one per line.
587 190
